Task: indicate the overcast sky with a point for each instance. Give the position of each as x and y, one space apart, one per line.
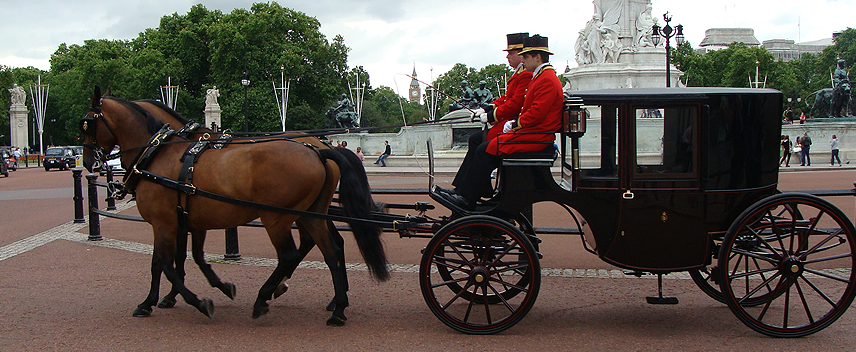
389 37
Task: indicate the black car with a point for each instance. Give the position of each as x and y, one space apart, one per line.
59 158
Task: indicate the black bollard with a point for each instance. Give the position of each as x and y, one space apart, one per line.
232 252
111 203
94 219
77 174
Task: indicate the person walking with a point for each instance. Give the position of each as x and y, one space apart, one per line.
834 145
788 116
385 154
787 149
805 143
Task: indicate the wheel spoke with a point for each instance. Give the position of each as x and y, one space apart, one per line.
817 289
817 247
804 302
828 276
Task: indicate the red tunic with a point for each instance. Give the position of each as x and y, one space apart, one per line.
541 112
507 107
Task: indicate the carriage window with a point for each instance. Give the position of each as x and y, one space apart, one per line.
599 146
664 140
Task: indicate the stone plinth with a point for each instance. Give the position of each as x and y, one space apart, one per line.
212 116
18 126
644 68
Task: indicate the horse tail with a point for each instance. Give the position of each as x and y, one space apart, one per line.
356 200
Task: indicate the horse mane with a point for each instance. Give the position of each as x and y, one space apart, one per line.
166 108
152 124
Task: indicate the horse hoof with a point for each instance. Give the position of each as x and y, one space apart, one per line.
282 288
229 290
259 311
167 302
142 312
206 306
336 321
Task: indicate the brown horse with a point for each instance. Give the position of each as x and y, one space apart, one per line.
165 114
277 173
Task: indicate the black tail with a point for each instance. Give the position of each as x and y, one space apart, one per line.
355 196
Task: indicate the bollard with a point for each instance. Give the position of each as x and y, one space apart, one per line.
77 174
232 252
111 203
94 219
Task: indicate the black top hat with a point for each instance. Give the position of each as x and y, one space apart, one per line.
535 43
515 40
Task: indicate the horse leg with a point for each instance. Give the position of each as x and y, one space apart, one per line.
340 245
287 256
169 300
198 250
165 253
334 257
306 245
145 309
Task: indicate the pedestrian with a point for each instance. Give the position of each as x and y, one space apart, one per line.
386 153
17 154
360 154
802 118
540 118
834 145
805 143
344 144
788 116
787 149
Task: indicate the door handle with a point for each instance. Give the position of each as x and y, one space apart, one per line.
628 195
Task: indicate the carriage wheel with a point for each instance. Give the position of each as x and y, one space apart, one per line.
792 257
520 278
479 275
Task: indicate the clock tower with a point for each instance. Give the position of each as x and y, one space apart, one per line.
414 93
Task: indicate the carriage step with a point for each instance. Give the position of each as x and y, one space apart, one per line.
660 299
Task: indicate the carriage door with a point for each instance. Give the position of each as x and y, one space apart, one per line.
660 221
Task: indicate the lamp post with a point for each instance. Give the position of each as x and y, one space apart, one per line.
245 81
667 32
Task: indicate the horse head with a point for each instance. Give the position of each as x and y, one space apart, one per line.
95 140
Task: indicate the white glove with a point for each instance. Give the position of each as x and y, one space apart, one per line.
478 111
480 117
508 126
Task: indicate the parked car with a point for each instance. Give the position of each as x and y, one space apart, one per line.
60 158
114 164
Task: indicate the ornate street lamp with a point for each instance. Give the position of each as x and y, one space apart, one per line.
667 32
245 81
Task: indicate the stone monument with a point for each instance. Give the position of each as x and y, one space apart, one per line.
615 50
18 117
212 109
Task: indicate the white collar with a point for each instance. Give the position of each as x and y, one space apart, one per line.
539 68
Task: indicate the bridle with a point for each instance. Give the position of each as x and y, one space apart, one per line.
88 126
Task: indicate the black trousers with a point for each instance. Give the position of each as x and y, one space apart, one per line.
473 179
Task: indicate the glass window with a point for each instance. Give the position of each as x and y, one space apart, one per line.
665 140
599 146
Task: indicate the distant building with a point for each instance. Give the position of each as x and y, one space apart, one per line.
787 50
781 49
720 38
415 92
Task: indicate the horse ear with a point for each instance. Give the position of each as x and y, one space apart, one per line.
109 92
96 97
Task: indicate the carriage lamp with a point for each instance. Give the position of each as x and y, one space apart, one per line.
574 117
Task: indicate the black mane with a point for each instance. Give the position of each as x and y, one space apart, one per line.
152 124
172 112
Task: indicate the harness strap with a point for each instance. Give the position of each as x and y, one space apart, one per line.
190 189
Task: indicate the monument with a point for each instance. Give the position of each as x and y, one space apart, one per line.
212 109
18 117
615 49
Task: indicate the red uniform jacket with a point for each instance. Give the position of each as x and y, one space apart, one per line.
508 106
542 112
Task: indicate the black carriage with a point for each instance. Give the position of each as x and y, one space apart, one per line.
656 181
